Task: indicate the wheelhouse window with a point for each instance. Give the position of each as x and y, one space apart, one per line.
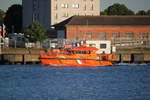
78 52
92 45
129 35
89 52
103 46
83 52
102 35
144 35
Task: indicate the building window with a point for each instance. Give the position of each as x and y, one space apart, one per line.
35 6
56 16
115 35
65 15
129 35
64 5
102 36
144 35
88 35
92 7
35 17
103 46
56 7
75 5
85 7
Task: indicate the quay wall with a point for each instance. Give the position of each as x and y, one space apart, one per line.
30 56
19 56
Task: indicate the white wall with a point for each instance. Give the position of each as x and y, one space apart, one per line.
96 43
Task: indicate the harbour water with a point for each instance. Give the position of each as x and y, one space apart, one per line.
36 82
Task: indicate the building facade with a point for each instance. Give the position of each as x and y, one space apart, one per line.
50 12
36 10
108 27
63 9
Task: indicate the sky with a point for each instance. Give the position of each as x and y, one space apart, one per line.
134 5
5 4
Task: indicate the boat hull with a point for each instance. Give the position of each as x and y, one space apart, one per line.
61 62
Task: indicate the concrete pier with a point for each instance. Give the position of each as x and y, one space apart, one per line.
20 56
30 56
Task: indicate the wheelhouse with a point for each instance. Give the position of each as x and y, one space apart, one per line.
82 50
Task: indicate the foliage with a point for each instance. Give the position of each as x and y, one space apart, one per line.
118 9
35 32
148 12
2 15
13 19
103 13
141 12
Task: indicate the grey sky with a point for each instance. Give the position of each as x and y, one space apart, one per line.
5 4
134 5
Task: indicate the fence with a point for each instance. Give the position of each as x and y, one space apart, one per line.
131 43
118 43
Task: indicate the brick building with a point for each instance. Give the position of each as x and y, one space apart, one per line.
104 27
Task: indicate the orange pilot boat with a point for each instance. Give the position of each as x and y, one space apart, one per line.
81 56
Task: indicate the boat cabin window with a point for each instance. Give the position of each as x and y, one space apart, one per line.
89 52
83 52
73 52
78 52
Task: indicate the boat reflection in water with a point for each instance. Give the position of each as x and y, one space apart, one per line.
81 56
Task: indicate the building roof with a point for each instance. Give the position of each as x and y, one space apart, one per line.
106 20
63 23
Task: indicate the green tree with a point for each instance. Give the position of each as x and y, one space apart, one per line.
141 13
103 13
2 15
118 9
35 32
13 19
148 12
